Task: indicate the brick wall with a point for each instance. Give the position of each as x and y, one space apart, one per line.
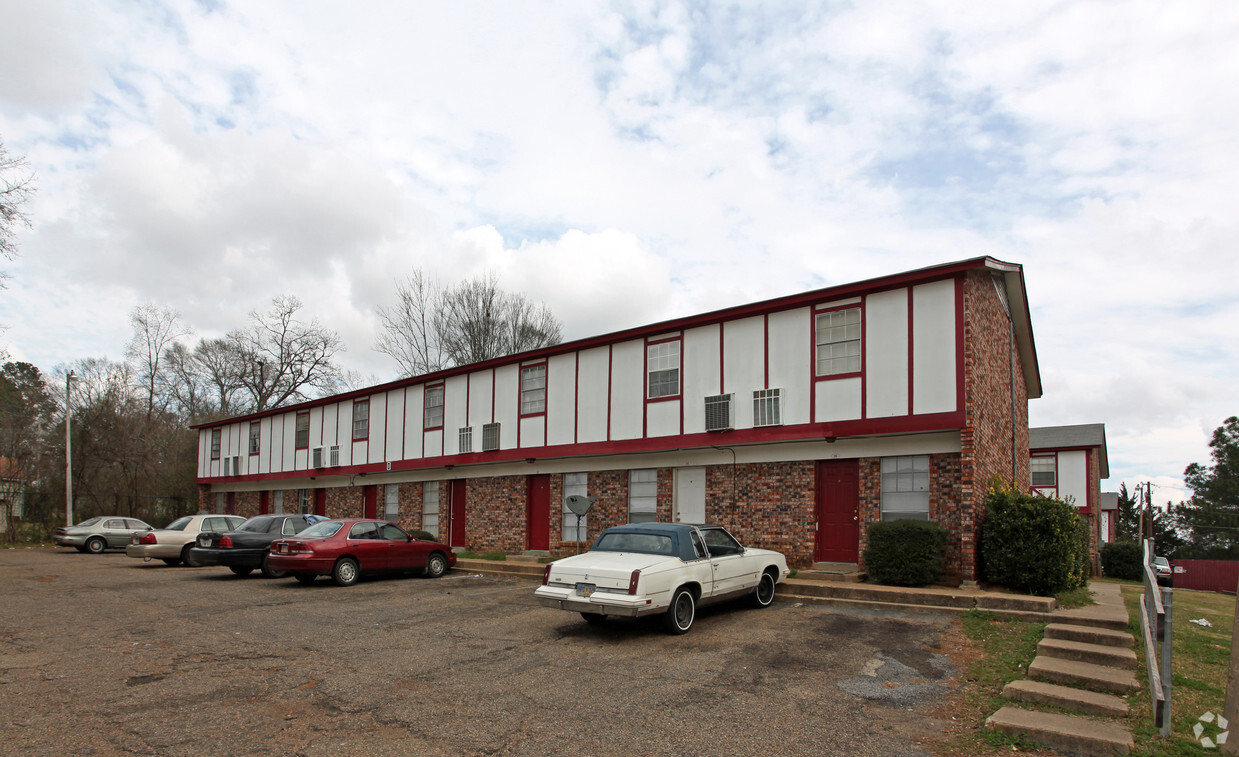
494 514
986 452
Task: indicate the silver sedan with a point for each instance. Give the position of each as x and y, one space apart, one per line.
98 534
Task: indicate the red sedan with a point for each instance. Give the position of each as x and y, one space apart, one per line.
346 549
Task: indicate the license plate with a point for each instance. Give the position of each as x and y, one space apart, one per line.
585 590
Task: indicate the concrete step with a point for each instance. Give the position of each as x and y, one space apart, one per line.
1098 654
1111 616
1090 635
1066 733
1072 673
935 596
1080 700
782 595
502 568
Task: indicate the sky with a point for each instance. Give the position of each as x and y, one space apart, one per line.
625 163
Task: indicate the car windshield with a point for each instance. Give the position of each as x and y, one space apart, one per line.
622 541
178 525
255 524
326 528
90 522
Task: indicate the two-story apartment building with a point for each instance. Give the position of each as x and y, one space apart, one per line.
1069 463
796 422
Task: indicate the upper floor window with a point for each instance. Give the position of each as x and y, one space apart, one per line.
663 369
838 342
434 407
905 487
303 430
533 390
1044 470
215 440
361 420
255 436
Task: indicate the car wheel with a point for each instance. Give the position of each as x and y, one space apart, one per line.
305 578
680 614
171 561
240 571
593 618
95 545
436 566
186 560
268 572
763 594
345 572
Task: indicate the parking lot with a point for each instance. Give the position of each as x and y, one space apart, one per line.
104 654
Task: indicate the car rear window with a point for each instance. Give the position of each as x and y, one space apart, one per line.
651 544
177 525
327 528
259 525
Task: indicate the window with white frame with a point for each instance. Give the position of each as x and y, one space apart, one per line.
643 495
838 342
574 483
277 502
663 367
430 508
303 502
255 436
533 390
391 502
434 407
1044 470
221 502
361 420
905 487
215 443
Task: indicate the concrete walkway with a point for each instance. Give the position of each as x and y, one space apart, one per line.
1085 664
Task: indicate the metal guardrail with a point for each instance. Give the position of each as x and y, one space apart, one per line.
1156 624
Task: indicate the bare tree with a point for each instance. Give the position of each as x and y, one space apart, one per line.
433 328
155 327
279 358
16 187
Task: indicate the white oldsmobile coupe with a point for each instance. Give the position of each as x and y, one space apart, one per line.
650 568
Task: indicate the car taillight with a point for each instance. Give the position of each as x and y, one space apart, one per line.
225 541
296 548
546 575
148 539
632 582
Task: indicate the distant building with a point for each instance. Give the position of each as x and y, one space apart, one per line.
1109 516
1069 462
12 493
796 422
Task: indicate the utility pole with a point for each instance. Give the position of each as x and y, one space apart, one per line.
68 452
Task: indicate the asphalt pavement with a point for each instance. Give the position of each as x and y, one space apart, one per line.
106 654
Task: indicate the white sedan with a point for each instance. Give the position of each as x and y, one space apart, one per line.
650 568
172 543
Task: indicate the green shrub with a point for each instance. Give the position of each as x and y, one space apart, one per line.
1033 543
906 552
423 535
1121 559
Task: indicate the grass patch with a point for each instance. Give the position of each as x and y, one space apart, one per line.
1080 597
1201 661
493 556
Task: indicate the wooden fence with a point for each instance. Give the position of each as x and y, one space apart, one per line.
1206 575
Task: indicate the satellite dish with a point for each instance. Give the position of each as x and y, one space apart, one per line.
579 504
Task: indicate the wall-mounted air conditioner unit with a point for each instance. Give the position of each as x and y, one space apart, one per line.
335 455
316 457
465 440
719 412
490 437
768 407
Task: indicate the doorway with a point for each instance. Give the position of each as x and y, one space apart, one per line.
838 511
538 512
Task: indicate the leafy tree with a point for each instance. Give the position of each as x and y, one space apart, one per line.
432 327
1211 517
27 411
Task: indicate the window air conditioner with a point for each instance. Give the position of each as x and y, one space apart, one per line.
718 412
490 437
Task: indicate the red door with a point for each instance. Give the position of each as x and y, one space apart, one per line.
264 503
320 501
838 511
456 525
370 501
538 513
231 508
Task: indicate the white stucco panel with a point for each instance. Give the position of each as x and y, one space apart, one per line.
699 374
507 404
791 361
1073 477
394 425
628 389
838 400
886 354
663 418
933 348
561 399
592 384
